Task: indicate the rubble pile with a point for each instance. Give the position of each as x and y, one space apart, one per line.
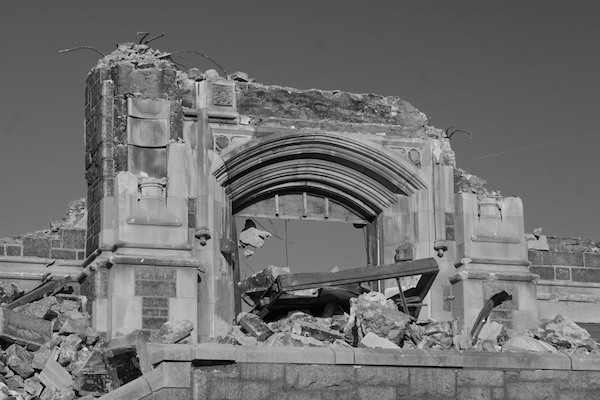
50 352
376 322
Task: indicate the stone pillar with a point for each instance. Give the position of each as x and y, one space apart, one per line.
492 256
140 176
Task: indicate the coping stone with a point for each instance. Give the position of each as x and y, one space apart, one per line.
283 354
170 352
343 355
588 362
214 351
421 358
510 360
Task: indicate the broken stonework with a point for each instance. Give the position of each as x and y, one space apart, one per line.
262 279
37 309
254 326
316 332
371 312
19 360
172 332
565 335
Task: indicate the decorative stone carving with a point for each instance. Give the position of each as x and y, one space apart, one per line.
222 95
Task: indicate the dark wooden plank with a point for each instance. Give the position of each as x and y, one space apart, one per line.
309 280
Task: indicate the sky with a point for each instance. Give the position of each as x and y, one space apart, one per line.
521 77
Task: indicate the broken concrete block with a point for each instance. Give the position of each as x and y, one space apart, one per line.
15 382
52 393
373 341
306 341
490 331
91 384
23 328
254 326
69 346
40 357
172 332
563 334
33 386
528 344
261 280
127 358
37 309
9 292
19 360
316 332
54 374
76 323
373 313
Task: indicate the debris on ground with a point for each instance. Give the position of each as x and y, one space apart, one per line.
50 350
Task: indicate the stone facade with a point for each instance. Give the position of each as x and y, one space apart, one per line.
172 157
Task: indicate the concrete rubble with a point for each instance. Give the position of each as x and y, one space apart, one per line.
73 360
371 320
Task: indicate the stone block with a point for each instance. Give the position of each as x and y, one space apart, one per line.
474 393
255 390
62 254
472 377
512 361
433 382
255 326
591 260
434 358
155 282
53 374
389 376
583 379
262 372
588 362
377 392
24 328
563 273
562 258
73 238
14 250
585 274
285 354
214 351
343 355
543 272
530 390
318 377
19 360
36 247
225 389
127 357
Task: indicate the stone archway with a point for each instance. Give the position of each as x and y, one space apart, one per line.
362 176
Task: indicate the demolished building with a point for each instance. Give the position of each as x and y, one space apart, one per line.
172 157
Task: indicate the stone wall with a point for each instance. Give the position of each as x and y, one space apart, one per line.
565 265
214 372
569 283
